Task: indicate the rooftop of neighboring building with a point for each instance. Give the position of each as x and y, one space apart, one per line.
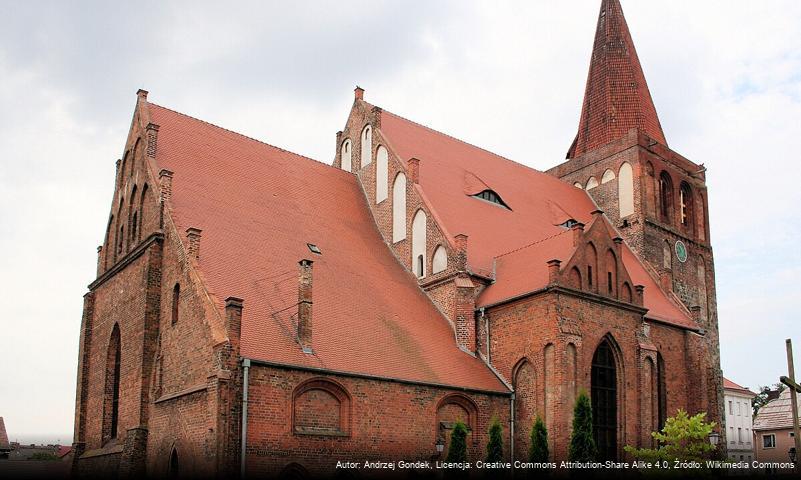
732 387
776 414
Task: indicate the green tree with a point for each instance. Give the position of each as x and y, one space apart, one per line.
761 399
683 438
538 448
582 444
457 452
495 445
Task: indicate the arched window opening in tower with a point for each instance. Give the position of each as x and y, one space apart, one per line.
491 197
665 197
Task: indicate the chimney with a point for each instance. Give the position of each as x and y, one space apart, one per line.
152 136
233 318
305 305
414 170
358 93
639 295
578 231
553 271
193 235
99 260
461 251
465 321
165 181
141 94
618 248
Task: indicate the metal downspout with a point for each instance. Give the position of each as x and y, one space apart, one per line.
243 447
512 428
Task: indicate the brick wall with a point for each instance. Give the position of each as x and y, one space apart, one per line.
377 420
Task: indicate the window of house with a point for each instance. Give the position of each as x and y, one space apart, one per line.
367 146
731 408
739 435
731 432
665 197
686 204
176 294
492 197
345 162
769 441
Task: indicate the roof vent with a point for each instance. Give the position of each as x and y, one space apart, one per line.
569 223
314 248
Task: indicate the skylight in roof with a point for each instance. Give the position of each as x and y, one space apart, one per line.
314 248
492 197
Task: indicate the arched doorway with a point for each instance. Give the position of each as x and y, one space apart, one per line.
174 471
604 401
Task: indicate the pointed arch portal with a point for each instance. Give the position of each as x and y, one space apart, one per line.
604 401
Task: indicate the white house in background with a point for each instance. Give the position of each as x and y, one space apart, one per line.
739 420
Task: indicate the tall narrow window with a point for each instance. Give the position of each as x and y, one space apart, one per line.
134 225
176 296
345 157
175 471
111 401
589 275
419 224
604 401
121 241
625 190
381 180
686 206
399 208
592 266
661 392
665 197
367 146
145 194
131 220
440 260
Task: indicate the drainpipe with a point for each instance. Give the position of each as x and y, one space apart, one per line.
246 370
512 428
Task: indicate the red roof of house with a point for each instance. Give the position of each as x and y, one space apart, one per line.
512 245
776 414
258 206
616 98
4 445
729 385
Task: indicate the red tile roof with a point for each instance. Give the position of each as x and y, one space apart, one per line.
729 385
776 414
616 98
4 445
513 243
258 206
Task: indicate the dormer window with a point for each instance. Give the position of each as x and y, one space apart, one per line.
569 223
492 197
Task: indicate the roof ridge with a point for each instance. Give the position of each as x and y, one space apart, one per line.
245 136
464 142
532 244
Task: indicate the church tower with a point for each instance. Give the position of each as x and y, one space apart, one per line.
655 197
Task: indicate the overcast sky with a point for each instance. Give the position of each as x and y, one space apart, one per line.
725 76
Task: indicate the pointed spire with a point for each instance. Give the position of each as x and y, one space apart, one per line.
616 98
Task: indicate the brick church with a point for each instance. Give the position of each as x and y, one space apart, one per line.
261 311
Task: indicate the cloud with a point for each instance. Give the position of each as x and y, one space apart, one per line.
725 76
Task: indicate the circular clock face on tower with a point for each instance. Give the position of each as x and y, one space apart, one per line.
681 251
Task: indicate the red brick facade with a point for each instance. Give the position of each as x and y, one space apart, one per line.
162 374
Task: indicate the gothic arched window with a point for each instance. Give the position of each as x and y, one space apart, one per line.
666 197
399 208
419 243
345 158
686 206
381 172
111 400
367 146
